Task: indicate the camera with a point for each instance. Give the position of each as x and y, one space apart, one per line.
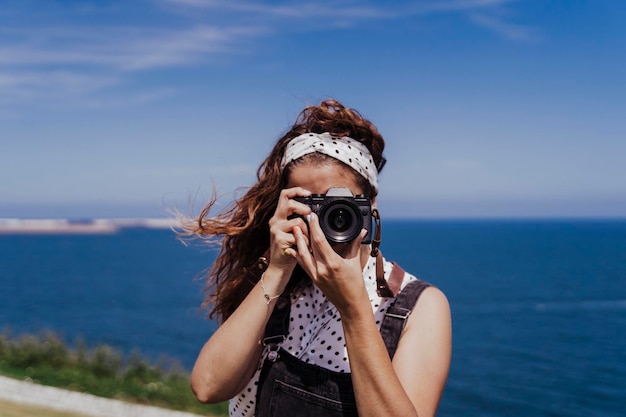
342 216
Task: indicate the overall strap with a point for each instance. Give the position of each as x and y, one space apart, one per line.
398 313
277 327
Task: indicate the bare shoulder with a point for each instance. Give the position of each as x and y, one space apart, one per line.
430 317
432 301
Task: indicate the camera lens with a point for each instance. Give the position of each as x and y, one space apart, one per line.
341 221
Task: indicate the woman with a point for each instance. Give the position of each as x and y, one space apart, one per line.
278 267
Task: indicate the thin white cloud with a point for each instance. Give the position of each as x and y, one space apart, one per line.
125 49
80 59
139 48
504 28
356 10
75 61
25 85
308 10
483 13
454 6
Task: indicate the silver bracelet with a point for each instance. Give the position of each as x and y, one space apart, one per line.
268 298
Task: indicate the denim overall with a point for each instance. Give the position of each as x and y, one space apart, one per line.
290 387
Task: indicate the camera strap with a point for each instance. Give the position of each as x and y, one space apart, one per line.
388 288
384 288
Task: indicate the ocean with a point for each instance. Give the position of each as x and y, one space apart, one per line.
538 306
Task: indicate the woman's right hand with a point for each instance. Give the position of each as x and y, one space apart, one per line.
289 214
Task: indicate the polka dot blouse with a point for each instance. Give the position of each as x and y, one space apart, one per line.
316 335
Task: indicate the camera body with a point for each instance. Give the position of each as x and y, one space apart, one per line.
341 215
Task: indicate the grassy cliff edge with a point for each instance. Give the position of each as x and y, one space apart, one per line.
102 371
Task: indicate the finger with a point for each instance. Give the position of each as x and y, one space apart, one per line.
355 245
304 255
283 239
281 231
287 206
299 234
300 223
289 193
318 242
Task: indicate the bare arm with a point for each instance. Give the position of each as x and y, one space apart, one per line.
230 357
412 385
414 382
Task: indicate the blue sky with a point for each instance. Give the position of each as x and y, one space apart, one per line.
490 108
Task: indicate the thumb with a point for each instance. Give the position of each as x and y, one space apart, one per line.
355 245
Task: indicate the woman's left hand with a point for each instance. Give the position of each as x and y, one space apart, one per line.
338 276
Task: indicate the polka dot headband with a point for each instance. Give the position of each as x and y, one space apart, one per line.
347 150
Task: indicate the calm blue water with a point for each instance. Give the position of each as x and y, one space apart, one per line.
539 307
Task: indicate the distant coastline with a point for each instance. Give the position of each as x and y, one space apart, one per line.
16 225
81 226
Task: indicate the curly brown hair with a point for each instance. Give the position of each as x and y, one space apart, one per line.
244 225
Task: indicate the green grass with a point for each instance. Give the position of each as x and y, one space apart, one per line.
102 371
